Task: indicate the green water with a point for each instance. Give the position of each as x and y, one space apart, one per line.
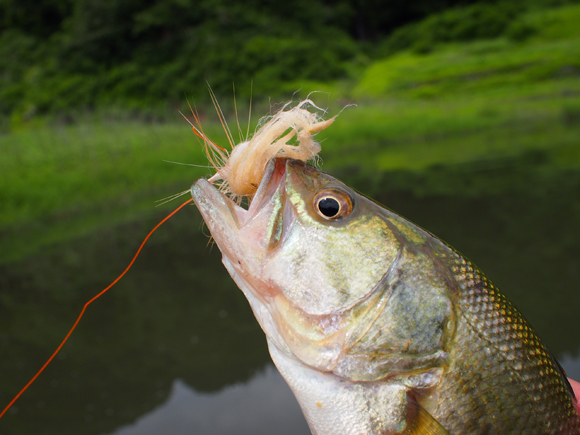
177 332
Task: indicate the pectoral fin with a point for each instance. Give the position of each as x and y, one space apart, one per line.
420 422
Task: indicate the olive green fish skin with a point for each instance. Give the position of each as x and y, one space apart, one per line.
501 378
377 326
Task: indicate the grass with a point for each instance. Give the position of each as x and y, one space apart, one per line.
61 181
413 135
76 167
464 69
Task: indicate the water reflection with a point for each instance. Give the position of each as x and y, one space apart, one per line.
178 315
263 405
571 364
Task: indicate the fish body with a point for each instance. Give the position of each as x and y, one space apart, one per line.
377 326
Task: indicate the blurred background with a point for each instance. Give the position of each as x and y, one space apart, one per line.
467 122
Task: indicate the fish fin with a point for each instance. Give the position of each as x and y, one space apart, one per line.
564 377
420 422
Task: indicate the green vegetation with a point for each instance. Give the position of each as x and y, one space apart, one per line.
66 180
456 104
69 55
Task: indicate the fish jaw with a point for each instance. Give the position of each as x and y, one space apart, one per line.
221 215
247 239
243 237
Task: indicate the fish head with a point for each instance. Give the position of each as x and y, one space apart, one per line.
377 325
318 263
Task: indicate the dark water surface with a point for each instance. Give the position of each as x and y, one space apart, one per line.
174 348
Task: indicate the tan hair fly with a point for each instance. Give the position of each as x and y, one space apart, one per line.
288 133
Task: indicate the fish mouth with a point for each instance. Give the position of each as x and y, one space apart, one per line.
241 232
245 237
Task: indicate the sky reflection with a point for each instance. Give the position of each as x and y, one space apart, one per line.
571 365
263 405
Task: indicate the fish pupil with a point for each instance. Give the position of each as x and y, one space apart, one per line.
329 207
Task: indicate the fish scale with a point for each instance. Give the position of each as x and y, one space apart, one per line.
379 327
489 325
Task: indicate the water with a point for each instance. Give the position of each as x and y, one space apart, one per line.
263 405
174 347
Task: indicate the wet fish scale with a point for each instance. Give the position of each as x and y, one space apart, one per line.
492 337
379 327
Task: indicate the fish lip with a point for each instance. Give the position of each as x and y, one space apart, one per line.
223 215
225 219
211 202
271 180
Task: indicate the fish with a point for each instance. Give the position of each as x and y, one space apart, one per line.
377 326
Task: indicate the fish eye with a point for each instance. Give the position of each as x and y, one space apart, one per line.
332 204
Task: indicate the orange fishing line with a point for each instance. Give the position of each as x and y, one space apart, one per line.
205 138
87 304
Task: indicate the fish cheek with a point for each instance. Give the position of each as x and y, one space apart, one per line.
324 268
412 332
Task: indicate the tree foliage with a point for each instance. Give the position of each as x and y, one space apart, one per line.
60 54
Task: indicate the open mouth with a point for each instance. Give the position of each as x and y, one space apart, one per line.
237 231
272 182
211 201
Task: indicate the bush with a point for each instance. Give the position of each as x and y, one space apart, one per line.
84 72
571 113
478 21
